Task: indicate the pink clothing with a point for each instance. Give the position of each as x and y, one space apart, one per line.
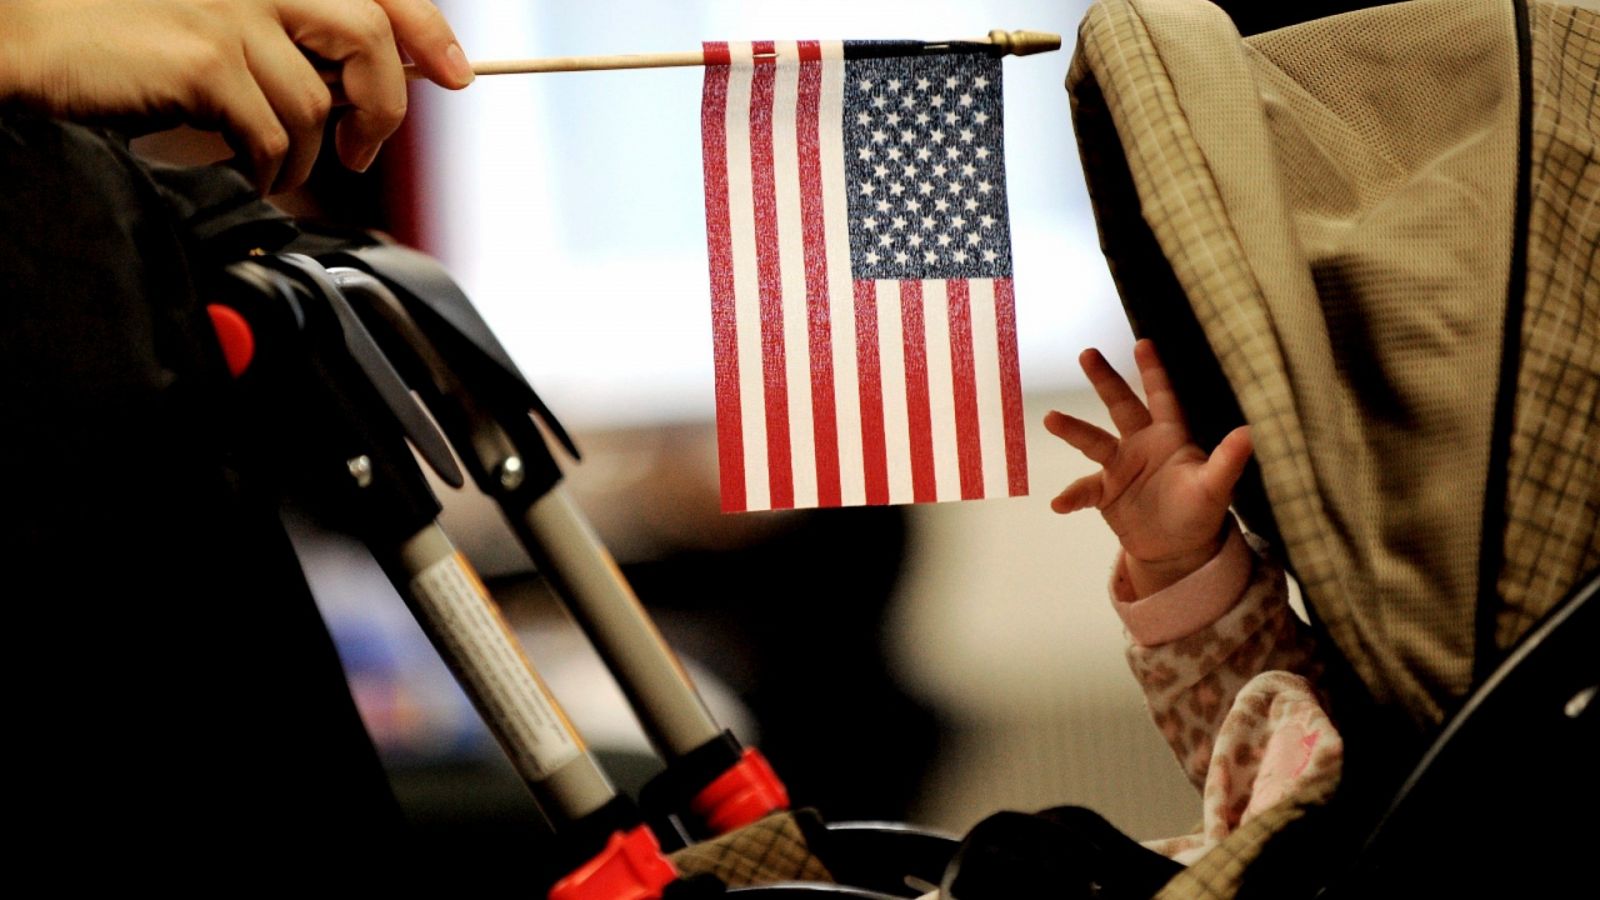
1229 673
1191 604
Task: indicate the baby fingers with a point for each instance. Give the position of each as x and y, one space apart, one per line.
1127 411
1081 494
1091 440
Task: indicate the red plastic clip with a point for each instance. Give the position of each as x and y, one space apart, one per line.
630 867
741 795
233 333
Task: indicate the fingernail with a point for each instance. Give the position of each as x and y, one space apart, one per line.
364 161
460 69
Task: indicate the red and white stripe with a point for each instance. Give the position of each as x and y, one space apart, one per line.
834 392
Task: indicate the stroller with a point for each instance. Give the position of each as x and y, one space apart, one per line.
1371 237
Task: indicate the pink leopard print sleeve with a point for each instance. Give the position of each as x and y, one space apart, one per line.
1192 671
1274 740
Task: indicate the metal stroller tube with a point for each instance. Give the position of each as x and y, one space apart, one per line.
564 546
451 603
483 404
348 416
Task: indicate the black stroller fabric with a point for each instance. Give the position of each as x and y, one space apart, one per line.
179 705
1068 853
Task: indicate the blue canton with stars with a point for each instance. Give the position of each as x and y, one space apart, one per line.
925 167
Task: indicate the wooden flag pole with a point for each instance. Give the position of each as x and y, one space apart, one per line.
1010 43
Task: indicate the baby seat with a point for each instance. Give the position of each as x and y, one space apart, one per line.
1372 236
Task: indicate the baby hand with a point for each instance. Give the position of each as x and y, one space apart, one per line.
1165 499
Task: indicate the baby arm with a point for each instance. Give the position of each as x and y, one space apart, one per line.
1205 613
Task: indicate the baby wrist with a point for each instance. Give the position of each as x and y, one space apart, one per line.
1149 576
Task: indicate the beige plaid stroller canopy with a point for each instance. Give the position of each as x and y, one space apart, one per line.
1373 237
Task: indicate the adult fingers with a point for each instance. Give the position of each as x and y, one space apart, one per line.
298 97
1157 386
1081 494
1222 470
356 34
1091 440
232 99
1127 411
429 41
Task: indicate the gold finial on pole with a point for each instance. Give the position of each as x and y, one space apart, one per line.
1024 43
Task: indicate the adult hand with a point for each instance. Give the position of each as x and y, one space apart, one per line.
1162 495
243 67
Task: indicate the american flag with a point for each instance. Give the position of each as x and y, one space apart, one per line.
862 310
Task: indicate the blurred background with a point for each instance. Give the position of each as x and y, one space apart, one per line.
931 663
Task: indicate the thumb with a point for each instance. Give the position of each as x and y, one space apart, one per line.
1222 470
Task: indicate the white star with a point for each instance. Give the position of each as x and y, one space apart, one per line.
922 118
915 240
865 153
907 135
906 102
878 136
969 170
959 256
901 257
944 240
912 170
883 206
927 223
985 187
894 153
923 153
894 84
893 118
966 135
867 188
880 170
878 101
941 204
899 222
990 256
937 100
951 82
953 187
885 240
983 152
970 203
973 239
863 118
869 223
930 257
940 169
980 82
925 188
937 137
950 118
953 152
897 189
966 100
913 205
922 84
864 84
986 220
981 118
872 257
958 222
